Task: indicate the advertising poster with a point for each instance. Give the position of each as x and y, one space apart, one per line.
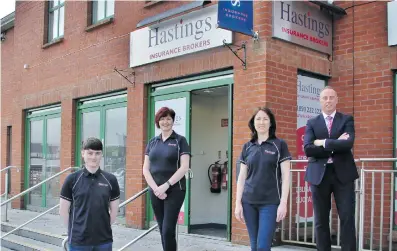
308 106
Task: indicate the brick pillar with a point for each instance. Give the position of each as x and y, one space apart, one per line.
18 150
68 136
136 142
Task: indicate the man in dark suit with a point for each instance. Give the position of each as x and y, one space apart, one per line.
329 138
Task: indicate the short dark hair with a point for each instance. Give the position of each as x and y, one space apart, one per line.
93 144
273 126
164 112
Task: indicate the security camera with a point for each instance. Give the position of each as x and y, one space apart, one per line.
3 37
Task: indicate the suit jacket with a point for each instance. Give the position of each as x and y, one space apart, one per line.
339 150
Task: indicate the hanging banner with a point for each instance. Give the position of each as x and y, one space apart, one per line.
308 106
236 15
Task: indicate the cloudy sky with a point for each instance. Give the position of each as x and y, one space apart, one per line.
6 7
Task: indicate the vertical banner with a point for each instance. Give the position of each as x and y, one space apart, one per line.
308 106
179 106
236 15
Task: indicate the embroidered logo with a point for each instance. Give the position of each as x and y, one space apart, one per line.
102 184
171 144
270 152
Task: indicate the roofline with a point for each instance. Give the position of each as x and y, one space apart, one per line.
7 22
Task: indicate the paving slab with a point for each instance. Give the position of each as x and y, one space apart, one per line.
51 223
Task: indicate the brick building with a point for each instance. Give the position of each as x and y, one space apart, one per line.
75 69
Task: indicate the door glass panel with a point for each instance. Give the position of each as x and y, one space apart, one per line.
36 161
91 127
115 146
52 160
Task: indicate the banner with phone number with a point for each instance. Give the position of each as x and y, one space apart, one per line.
308 106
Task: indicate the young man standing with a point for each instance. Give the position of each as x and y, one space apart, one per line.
89 202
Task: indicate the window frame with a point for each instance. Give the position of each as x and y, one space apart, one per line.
51 10
94 11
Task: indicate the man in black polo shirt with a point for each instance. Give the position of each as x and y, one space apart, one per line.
89 202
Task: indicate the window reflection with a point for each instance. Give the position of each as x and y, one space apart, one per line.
115 145
36 161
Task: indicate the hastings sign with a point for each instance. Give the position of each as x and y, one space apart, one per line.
182 35
302 24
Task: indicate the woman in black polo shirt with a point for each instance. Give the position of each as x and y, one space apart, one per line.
263 181
166 162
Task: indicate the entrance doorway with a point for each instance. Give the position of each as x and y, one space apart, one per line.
203 108
209 147
43 146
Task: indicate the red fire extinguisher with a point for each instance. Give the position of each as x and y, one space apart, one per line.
224 176
215 176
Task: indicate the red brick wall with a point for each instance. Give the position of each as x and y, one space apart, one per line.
82 65
7 63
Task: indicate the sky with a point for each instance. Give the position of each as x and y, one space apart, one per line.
6 7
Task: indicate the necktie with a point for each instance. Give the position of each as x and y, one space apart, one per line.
329 124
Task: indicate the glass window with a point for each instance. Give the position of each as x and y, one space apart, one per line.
102 9
56 19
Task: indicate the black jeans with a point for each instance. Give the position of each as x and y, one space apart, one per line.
167 212
345 203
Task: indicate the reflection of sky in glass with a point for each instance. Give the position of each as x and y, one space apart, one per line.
53 138
54 131
36 132
116 126
91 125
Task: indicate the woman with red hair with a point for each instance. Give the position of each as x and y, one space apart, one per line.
167 159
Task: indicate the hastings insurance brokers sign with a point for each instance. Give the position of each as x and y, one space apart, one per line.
195 31
300 23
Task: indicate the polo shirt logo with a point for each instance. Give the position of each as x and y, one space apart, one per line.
270 152
102 184
171 144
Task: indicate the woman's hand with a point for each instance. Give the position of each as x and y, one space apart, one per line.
281 212
238 212
162 197
160 191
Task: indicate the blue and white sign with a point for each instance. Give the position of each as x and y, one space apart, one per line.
236 15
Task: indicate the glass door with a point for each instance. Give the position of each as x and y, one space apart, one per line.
106 119
180 103
43 134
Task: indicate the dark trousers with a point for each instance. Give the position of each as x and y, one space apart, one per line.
261 224
345 203
167 212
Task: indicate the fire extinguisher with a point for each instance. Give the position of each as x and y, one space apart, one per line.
215 177
224 176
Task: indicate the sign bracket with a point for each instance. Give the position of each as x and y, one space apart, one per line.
241 47
126 77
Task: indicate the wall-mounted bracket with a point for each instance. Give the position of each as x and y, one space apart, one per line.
127 76
241 47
